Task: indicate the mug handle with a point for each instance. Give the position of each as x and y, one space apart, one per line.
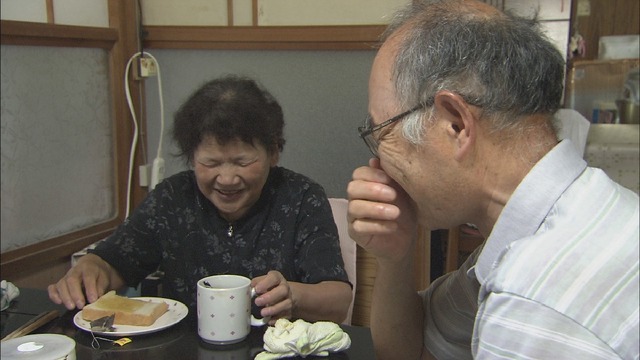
254 321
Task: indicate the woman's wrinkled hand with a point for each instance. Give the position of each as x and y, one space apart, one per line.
276 296
91 276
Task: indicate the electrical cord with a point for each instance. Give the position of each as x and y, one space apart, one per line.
157 171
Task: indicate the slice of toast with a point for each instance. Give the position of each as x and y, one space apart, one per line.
127 311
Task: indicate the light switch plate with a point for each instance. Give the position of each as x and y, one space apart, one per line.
584 8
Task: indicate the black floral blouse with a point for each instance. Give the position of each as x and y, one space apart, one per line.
290 229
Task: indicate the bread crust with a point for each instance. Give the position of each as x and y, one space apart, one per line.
127 311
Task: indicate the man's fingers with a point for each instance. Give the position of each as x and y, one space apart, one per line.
368 173
373 227
372 211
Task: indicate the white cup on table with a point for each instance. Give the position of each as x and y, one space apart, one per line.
224 309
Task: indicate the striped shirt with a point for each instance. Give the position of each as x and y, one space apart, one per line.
556 279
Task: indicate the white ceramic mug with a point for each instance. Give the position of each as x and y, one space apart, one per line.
224 309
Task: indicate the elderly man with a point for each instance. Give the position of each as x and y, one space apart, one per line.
461 101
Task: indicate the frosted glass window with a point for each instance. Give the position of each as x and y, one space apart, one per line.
185 12
327 12
57 142
81 12
24 10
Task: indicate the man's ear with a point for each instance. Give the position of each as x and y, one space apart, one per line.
461 121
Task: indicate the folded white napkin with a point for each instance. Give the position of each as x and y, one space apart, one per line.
9 292
301 338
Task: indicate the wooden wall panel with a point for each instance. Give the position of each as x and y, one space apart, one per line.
606 17
40 279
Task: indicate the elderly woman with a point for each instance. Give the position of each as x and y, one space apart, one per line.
234 212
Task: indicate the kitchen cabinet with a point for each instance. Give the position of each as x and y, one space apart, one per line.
615 149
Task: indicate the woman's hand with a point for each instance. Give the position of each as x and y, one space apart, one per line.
91 276
324 301
276 296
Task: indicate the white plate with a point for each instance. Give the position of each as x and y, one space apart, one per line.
177 311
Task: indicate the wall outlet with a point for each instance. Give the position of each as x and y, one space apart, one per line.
157 172
583 8
148 67
145 68
145 175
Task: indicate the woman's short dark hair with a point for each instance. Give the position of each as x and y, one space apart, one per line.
229 108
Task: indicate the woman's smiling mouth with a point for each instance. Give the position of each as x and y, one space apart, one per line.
229 194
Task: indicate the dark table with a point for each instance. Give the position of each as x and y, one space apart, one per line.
179 342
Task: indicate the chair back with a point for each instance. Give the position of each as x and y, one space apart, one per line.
347 246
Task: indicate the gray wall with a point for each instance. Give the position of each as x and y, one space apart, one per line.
323 95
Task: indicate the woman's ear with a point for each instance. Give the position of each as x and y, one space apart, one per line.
274 156
460 121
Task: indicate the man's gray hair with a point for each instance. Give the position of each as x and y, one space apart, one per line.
500 62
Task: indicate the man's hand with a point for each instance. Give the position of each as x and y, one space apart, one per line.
381 216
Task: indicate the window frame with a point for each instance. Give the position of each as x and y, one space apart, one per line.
39 256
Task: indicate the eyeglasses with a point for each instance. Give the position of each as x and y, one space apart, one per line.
366 131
